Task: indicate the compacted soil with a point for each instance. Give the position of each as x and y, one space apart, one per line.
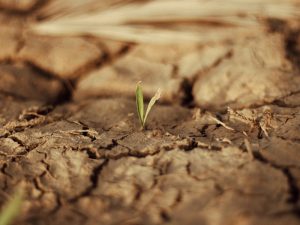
222 146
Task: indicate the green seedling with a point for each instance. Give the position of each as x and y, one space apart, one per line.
11 209
140 104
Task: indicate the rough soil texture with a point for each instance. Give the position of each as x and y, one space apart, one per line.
221 148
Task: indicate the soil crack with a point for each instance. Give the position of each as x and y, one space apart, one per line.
294 192
94 179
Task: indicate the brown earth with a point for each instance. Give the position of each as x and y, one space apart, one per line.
221 148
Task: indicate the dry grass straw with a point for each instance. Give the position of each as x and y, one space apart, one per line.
163 20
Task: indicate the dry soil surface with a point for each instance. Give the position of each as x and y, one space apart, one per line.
222 147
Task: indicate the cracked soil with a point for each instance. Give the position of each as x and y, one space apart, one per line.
222 146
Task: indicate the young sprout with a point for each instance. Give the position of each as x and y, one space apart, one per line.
140 104
12 208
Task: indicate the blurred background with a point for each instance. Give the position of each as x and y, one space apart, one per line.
209 53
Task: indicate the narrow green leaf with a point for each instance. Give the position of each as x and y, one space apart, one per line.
11 210
140 103
150 105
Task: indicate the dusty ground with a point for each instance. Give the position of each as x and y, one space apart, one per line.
221 148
